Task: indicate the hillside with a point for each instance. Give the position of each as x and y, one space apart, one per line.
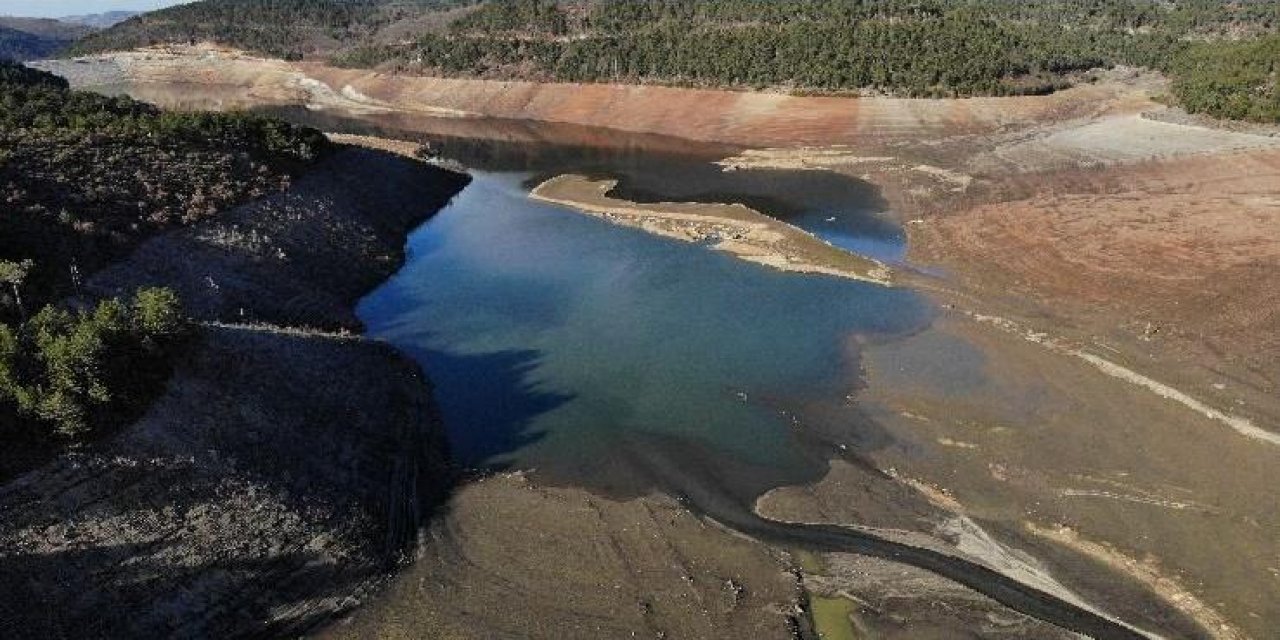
33 38
85 179
260 494
938 48
99 20
177 290
281 28
48 28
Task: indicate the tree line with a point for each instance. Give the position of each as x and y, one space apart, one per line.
917 48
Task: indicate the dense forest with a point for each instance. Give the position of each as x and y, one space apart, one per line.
83 179
1237 80
900 47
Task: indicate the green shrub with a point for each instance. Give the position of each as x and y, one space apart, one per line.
1236 80
71 374
157 313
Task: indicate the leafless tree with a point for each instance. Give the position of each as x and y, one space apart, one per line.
15 274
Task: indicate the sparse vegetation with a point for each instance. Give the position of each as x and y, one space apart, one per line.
84 177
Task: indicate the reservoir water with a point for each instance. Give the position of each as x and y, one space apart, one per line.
564 344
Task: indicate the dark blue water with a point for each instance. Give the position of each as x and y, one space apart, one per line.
555 339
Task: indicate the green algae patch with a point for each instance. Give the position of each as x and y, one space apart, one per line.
809 562
832 618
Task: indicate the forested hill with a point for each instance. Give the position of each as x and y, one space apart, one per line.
903 47
280 28
33 38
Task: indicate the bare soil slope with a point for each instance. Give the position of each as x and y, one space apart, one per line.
284 472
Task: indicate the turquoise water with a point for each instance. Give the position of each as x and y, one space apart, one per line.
556 340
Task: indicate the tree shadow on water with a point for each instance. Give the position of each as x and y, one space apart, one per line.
487 403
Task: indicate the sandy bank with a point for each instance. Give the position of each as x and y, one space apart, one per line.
748 118
261 494
1027 438
733 228
399 147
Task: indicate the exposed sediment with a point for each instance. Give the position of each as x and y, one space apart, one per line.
1086 216
565 564
739 117
732 228
285 471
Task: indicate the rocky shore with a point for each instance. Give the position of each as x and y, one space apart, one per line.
289 466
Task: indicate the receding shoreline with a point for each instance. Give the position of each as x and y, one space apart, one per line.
1065 168
732 228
